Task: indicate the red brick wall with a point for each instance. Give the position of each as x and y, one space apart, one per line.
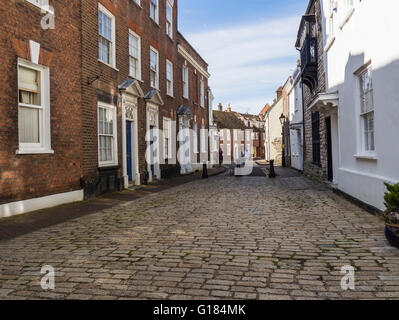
200 113
30 176
78 82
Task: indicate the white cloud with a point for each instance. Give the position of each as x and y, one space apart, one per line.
249 62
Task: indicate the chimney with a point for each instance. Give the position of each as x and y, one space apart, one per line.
220 107
279 92
298 62
229 108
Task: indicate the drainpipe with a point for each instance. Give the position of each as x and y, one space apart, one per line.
303 122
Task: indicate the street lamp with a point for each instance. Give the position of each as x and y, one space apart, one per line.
282 121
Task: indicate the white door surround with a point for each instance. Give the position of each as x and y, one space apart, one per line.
130 93
153 121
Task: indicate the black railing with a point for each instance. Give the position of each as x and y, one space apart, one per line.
309 52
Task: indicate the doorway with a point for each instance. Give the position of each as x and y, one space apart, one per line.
330 173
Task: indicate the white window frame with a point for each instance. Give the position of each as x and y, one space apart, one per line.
169 23
138 38
156 12
167 148
185 81
331 19
202 93
114 161
157 70
42 4
44 145
366 148
113 36
138 2
169 80
347 11
195 138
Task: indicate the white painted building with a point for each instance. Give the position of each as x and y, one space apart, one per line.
295 106
362 73
273 132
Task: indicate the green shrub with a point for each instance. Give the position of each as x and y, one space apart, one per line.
392 203
392 197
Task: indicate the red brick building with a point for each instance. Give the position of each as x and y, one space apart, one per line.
40 106
114 70
193 101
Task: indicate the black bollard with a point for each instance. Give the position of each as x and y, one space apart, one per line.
204 171
272 174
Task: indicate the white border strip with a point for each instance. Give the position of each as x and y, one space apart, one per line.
24 206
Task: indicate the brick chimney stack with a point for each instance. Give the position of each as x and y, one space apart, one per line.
229 108
279 92
220 107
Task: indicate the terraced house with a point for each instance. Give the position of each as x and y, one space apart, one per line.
78 100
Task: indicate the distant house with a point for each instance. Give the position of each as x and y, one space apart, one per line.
273 130
256 123
296 119
233 138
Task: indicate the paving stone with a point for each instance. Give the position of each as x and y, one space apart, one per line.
210 239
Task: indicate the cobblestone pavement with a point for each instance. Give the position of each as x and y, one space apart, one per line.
225 237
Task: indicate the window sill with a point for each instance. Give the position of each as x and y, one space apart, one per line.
329 44
108 65
108 166
43 8
155 22
348 15
34 151
139 80
170 96
366 156
170 38
138 5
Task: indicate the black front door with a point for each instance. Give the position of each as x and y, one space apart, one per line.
329 150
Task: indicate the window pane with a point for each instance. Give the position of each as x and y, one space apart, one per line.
153 60
28 125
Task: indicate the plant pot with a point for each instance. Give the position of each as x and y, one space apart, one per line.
392 234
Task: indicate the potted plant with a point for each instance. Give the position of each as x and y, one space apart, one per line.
392 214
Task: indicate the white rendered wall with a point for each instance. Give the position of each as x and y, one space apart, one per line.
369 35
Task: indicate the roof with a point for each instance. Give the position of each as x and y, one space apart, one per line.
265 109
184 111
228 120
248 116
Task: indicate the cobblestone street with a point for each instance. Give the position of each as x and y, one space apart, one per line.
225 237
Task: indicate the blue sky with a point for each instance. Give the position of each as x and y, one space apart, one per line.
249 45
